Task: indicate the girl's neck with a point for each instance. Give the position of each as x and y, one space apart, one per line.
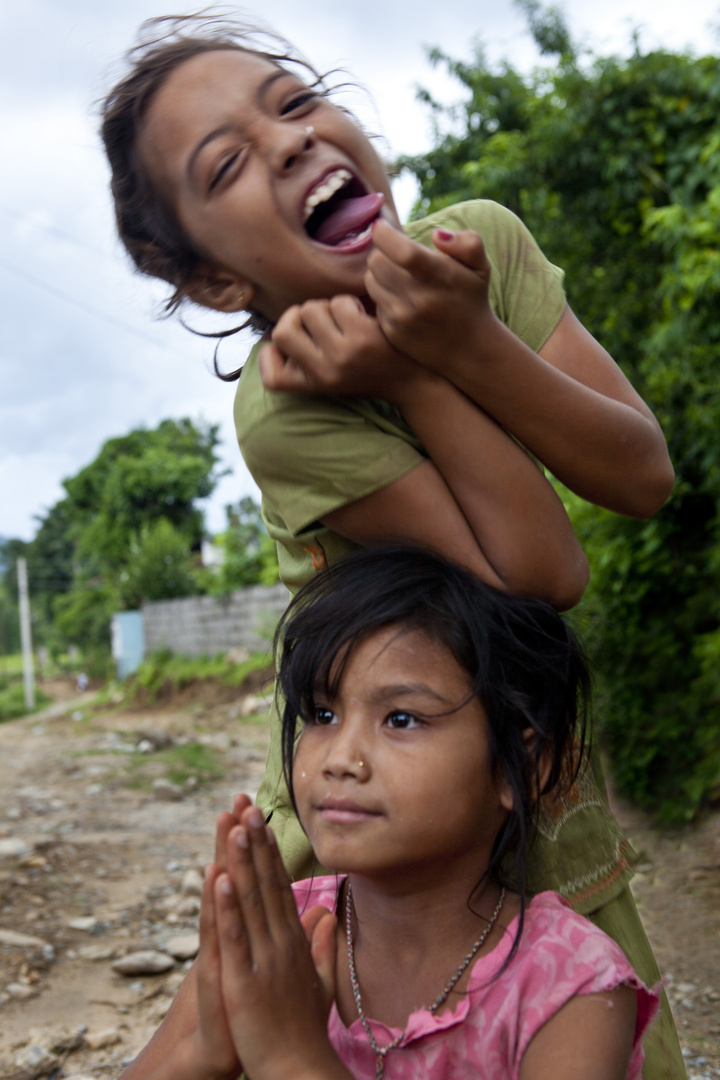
415 908
410 936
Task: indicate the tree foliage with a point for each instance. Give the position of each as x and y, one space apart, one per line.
138 479
249 556
614 165
128 529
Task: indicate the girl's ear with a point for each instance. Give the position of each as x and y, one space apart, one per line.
544 763
219 290
505 792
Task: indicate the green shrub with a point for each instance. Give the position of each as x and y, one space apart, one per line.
164 669
12 701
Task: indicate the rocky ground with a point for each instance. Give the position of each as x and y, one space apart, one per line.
106 820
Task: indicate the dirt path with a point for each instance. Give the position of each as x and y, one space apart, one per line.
97 864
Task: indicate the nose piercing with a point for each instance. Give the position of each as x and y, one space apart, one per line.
309 130
360 764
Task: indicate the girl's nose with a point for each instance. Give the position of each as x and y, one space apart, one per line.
346 757
289 143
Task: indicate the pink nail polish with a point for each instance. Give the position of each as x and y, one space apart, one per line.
225 886
445 234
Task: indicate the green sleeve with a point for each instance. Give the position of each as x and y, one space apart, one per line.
311 455
526 290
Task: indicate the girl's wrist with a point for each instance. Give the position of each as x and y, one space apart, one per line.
417 383
196 1061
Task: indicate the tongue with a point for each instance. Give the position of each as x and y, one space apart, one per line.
352 216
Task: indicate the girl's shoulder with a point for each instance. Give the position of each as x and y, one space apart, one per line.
551 926
560 955
482 215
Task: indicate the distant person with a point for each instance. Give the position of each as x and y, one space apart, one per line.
399 378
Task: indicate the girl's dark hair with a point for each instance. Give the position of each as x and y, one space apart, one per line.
146 222
522 660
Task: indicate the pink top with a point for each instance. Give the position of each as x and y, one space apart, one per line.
485 1035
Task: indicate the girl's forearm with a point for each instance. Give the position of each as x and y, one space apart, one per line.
518 521
588 427
171 1059
177 1051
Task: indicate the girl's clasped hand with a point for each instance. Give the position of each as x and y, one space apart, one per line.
266 978
427 305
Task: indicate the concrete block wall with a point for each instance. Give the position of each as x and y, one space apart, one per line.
206 625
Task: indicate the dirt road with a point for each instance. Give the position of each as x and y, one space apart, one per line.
106 820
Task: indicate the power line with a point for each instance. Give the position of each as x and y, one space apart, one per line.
60 294
54 231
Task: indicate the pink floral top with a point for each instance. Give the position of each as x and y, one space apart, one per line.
485 1035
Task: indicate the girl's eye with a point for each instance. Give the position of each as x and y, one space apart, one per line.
224 167
402 720
323 717
308 97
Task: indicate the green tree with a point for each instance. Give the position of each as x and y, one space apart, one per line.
9 614
135 480
614 166
249 556
159 566
125 531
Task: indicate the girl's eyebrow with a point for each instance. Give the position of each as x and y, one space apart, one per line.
226 129
395 690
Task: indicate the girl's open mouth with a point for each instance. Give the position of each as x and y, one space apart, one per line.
339 212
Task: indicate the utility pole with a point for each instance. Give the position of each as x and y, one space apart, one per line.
26 635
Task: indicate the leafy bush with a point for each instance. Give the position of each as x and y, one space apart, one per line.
165 670
12 701
614 165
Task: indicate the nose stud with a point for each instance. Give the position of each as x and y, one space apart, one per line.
309 130
360 764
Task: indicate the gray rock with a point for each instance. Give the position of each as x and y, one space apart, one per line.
255 703
156 737
145 962
37 1060
192 883
98 1040
56 1039
97 952
13 848
21 992
87 923
188 907
166 790
183 947
22 941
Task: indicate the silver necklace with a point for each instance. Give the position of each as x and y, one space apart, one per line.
381 1052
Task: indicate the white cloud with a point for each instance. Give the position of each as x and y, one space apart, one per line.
81 357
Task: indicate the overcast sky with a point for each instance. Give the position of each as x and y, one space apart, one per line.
82 357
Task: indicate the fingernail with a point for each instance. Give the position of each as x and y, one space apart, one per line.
241 839
225 886
445 234
255 818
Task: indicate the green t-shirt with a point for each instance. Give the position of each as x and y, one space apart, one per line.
310 455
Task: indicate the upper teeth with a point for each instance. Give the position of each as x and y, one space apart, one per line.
324 191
